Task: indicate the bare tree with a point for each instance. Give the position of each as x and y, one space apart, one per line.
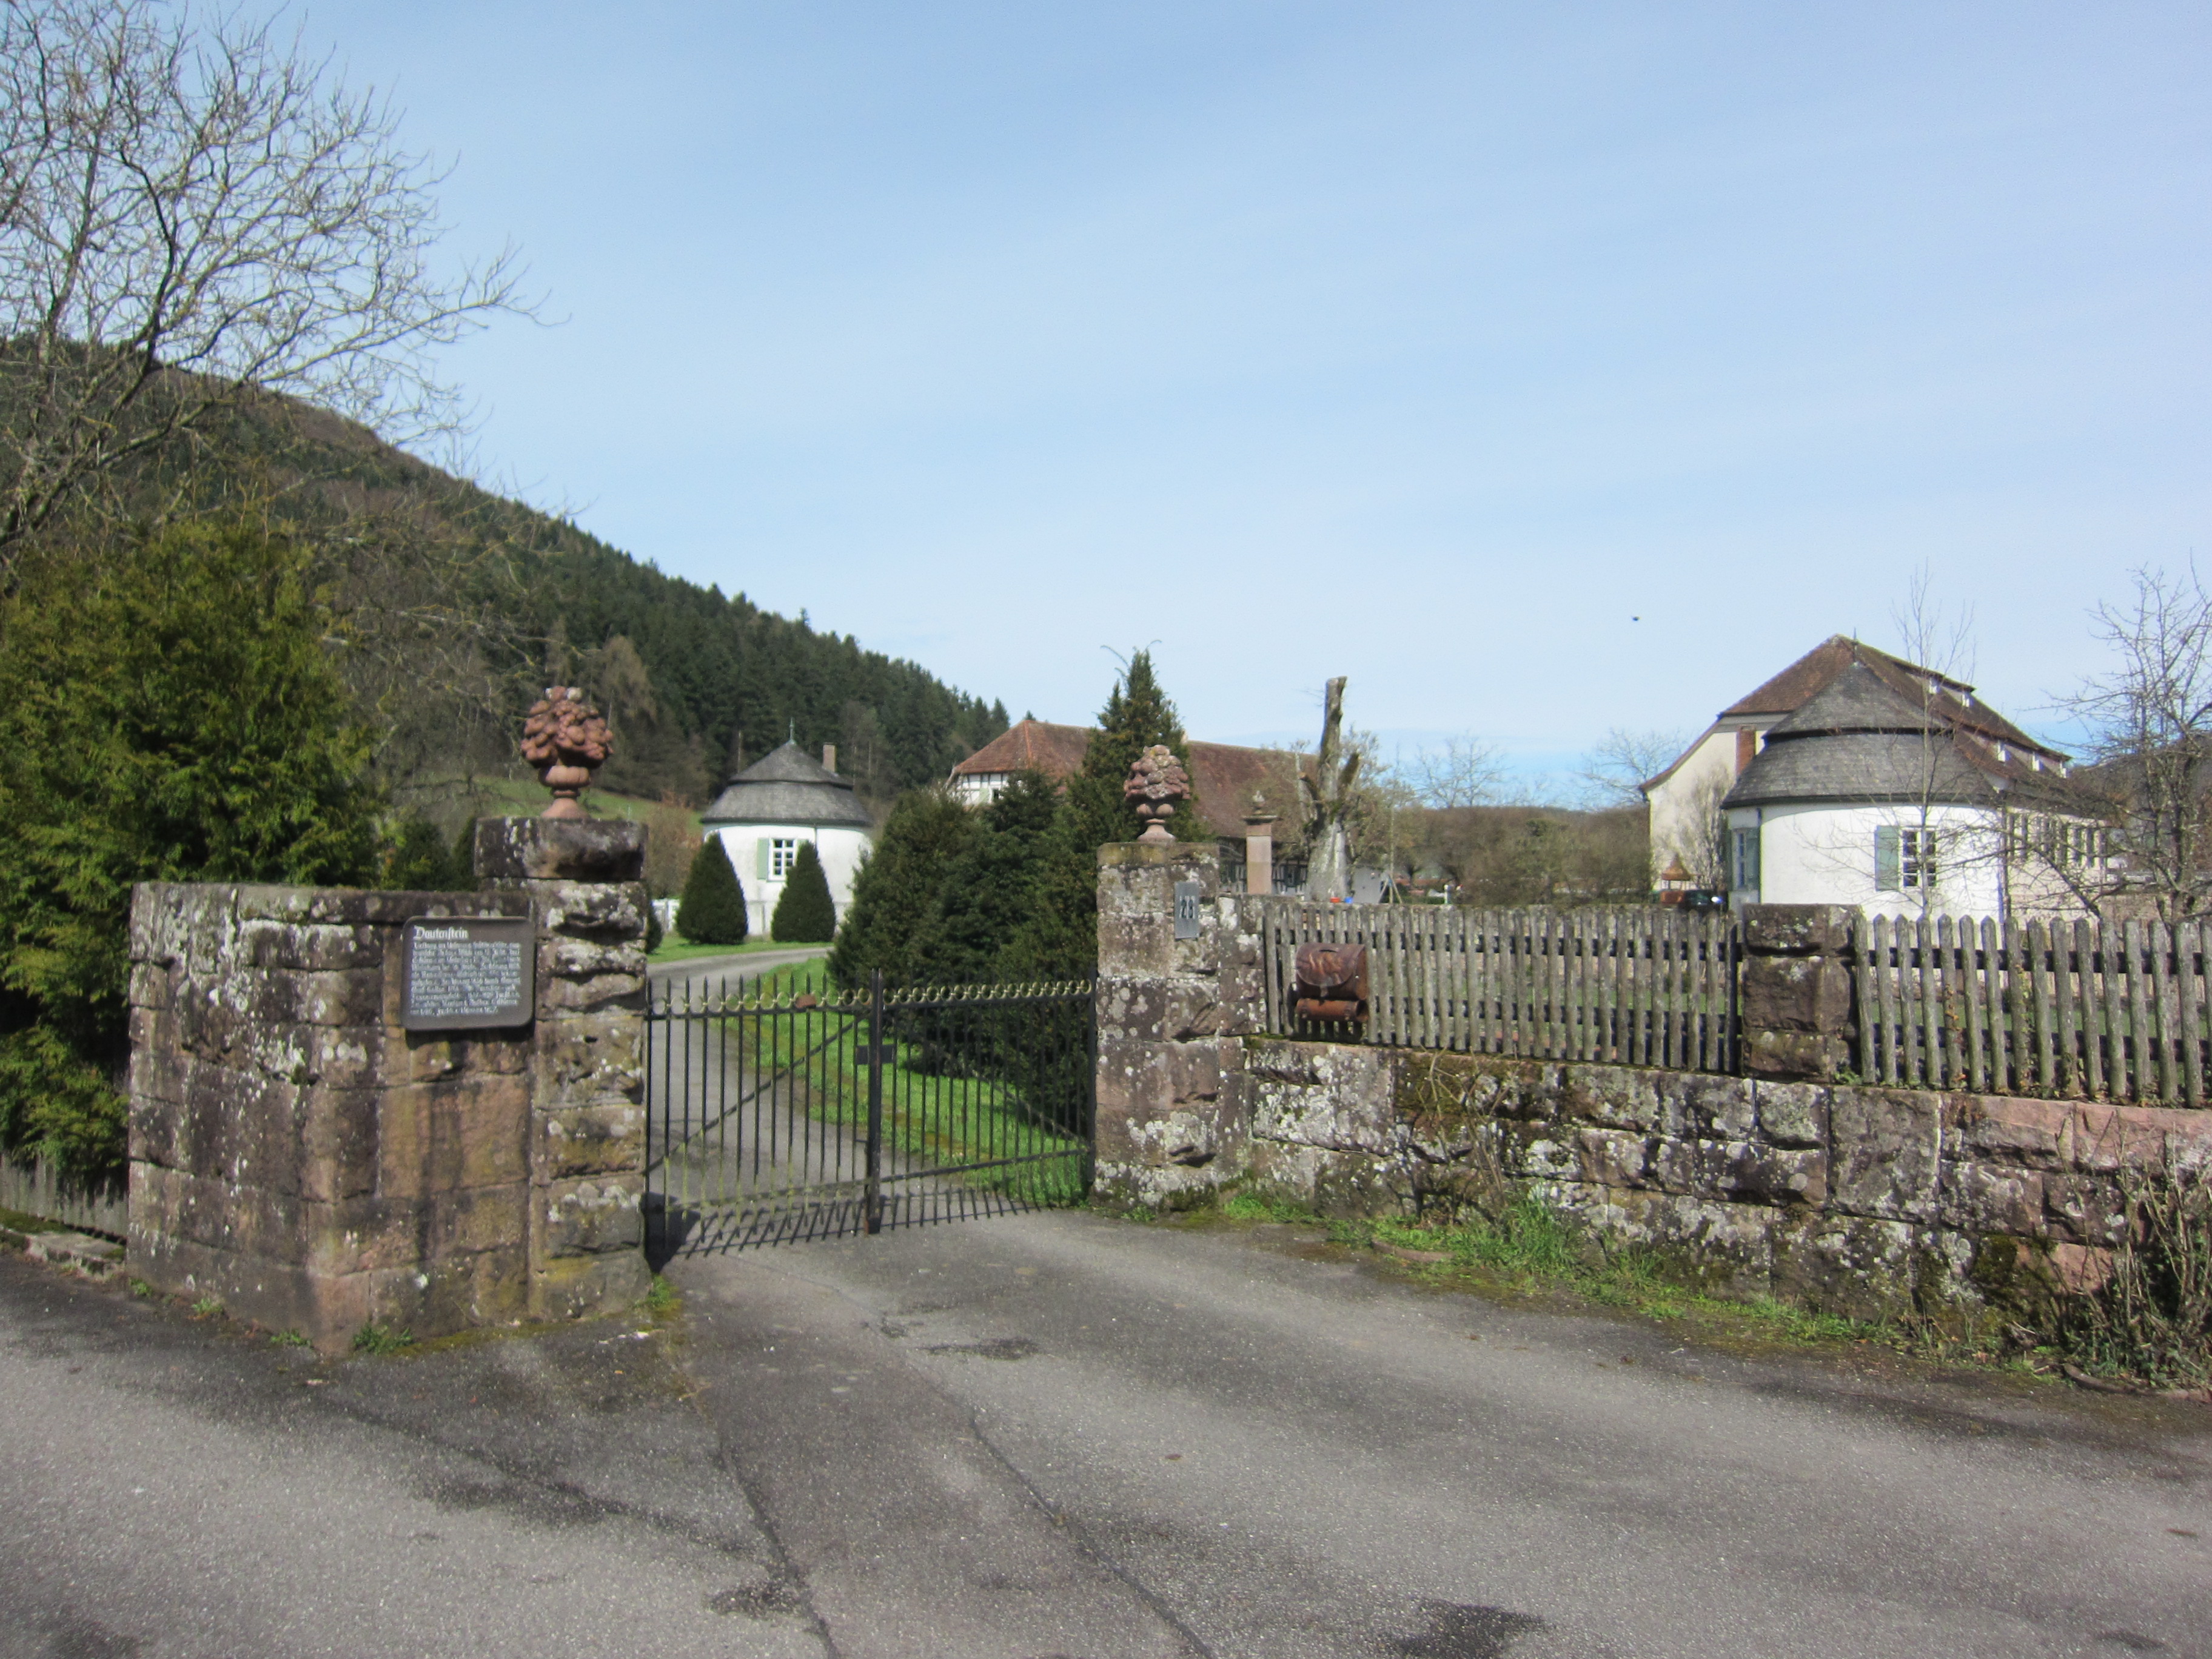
1615 771
2149 720
191 214
1466 772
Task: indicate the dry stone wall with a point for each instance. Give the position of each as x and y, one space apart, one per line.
1864 1200
300 1155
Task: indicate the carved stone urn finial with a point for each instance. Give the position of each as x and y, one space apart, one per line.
565 738
1157 782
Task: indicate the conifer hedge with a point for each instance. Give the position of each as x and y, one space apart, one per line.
713 910
170 714
805 914
896 892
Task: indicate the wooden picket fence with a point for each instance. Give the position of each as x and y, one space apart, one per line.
2110 1010
1615 987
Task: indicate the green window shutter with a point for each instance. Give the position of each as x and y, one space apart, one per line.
762 847
1887 876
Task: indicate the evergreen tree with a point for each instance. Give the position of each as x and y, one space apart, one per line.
805 914
1059 940
989 891
896 890
416 859
713 910
171 715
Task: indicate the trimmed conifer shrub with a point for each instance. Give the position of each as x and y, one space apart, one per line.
805 916
713 910
416 859
896 892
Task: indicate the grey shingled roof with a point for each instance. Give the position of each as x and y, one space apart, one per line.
1857 739
788 786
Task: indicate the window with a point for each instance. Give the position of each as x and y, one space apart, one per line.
1746 861
782 855
1905 860
1916 850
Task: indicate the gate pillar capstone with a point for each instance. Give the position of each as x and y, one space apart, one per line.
587 1155
1172 1014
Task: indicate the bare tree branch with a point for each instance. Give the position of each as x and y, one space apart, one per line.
2150 720
191 212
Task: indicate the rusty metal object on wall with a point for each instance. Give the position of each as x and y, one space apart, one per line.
1331 982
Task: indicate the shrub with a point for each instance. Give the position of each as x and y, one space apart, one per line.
713 911
805 914
417 859
170 716
896 890
2151 1316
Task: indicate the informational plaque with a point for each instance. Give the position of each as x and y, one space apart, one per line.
469 971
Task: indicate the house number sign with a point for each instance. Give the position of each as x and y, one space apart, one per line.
1186 901
465 972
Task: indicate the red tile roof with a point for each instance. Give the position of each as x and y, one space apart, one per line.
1950 701
1224 775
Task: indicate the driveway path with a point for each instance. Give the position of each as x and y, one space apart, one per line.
1059 1434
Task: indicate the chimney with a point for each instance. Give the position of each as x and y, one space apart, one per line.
828 756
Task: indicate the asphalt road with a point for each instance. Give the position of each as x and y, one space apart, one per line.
1062 1435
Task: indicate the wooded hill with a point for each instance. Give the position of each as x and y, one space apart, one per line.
472 602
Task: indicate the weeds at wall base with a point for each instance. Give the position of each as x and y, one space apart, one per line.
1527 1251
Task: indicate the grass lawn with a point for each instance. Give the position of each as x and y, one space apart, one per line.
676 948
934 1116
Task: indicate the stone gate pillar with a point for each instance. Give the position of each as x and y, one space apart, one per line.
587 1148
1175 1002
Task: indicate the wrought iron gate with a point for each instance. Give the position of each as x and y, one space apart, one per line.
781 1107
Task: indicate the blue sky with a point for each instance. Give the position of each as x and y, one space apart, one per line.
1544 369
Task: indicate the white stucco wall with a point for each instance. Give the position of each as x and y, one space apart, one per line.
840 846
978 788
1826 855
1682 807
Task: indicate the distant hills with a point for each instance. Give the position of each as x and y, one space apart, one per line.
686 673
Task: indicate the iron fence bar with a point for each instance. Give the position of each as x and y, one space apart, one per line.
875 1198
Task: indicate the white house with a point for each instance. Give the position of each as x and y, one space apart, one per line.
782 799
1684 800
1900 799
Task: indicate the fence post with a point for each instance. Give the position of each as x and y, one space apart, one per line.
1796 1013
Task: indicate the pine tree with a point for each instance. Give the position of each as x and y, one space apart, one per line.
171 714
416 859
896 893
713 911
1059 938
805 914
989 892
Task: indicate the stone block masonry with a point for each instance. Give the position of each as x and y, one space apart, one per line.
299 1154
1864 1200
